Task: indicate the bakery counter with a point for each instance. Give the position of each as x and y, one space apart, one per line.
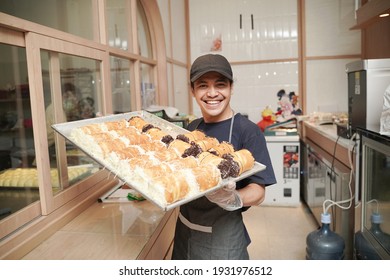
325 136
126 230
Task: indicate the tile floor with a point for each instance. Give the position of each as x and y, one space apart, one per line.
277 233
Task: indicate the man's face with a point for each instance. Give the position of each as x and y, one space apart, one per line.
212 92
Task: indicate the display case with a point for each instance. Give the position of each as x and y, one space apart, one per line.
375 190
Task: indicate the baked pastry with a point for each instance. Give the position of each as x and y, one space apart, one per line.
137 122
161 167
227 167
157 134
194 135
207 176
170 187
222 148
244 159
207 143
185 149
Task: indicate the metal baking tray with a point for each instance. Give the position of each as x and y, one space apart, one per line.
65 130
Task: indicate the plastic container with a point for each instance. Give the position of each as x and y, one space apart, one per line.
324 244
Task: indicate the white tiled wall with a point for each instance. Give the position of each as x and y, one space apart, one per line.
327 87
173 17
328 33
256 86
328 24
274 36
330 36
274 33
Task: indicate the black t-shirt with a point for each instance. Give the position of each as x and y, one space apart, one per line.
245 135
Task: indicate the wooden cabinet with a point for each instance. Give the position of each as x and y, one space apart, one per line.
374 43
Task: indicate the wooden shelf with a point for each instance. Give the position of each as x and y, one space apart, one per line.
369 13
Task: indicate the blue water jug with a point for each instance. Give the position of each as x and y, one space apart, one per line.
324 244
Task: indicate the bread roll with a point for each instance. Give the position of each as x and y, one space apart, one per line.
130 152
222 148
171 187
227 168
207 143
137 122
91 129
157 134
179 146
184 163
117 125
207 176
244 159
165 155
192 136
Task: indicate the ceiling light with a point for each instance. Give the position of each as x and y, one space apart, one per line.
384 15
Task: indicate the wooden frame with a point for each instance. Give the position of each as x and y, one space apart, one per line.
53 211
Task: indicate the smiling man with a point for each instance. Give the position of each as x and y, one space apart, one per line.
211 227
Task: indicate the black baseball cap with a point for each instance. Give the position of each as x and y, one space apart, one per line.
210 63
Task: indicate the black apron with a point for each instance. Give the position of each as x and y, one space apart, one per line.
205 231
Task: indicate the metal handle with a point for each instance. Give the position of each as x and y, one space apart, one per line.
240 21
252 21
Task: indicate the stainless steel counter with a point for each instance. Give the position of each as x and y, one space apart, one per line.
330 131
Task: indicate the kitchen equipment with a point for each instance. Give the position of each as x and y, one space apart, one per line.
325 178
285 156
374 163
367 82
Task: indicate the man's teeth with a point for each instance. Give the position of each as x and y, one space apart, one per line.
212 102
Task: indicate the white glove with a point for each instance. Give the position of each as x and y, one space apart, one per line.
226 197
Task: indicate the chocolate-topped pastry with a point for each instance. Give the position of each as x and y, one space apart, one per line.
146 127
192 136
234 169
224 168
182 137
167 139
137 122
243 158
228 168
228 156
193 150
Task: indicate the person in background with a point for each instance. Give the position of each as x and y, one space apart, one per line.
87 109
212 227
70 104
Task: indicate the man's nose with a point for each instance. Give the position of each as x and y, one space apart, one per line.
213 92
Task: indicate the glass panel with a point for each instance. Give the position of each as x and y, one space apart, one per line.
70 16
18 173
81 99
120 77
145 46
118 23
148 89
376 178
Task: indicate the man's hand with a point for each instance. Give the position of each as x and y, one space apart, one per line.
226 197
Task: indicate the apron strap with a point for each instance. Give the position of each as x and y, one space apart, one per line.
194 226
